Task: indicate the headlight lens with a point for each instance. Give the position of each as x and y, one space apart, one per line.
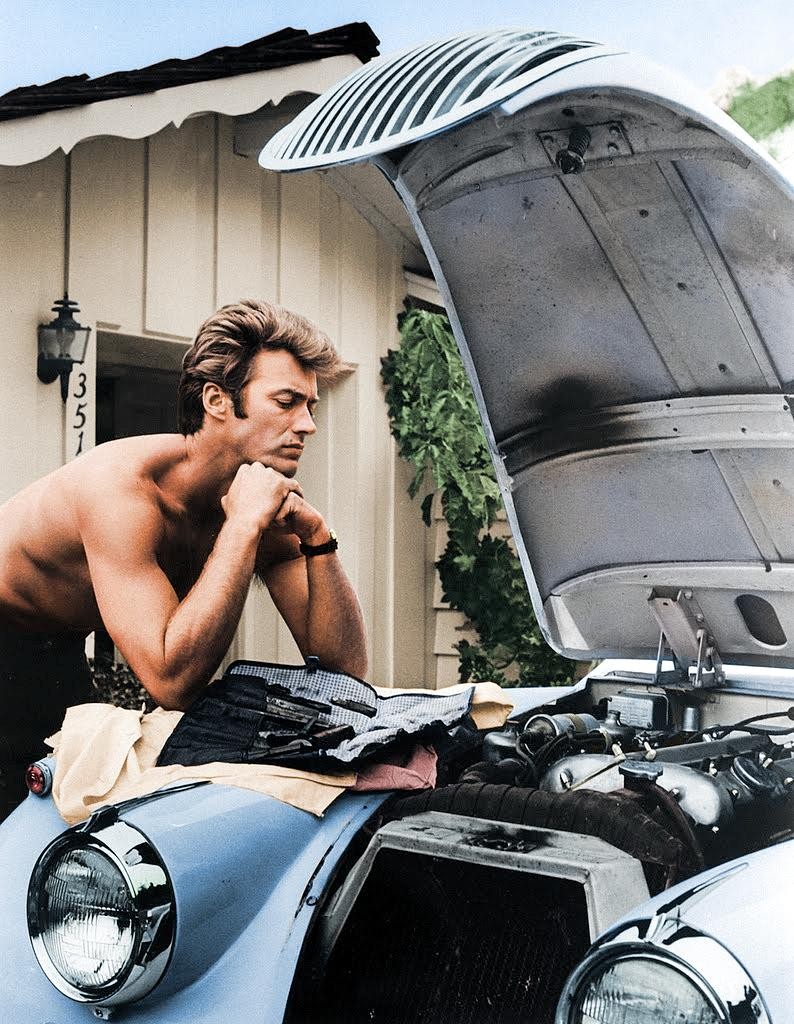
87 919
660 969
101 913
642 991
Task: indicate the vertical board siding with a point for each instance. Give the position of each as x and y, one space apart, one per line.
383 565
358 290
328 314
248 225
358 309
106 259
411 617
181 231
107 231
345 511
300 244
32 238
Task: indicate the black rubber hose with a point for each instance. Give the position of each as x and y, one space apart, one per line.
617 818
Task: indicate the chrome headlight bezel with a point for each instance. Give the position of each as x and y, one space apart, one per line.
716 973
150 892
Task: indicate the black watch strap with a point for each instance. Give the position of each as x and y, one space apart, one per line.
310 550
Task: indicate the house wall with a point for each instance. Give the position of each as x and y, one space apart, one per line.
155 234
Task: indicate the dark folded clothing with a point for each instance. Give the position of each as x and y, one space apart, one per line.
304 716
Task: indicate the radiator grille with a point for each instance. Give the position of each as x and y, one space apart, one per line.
447 942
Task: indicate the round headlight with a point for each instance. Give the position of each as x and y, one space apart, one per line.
639 990
101 914
660 970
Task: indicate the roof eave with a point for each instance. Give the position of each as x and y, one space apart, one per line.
27 139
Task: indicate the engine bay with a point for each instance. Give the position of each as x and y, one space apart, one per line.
714 769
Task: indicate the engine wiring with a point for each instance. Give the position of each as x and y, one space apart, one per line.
748 725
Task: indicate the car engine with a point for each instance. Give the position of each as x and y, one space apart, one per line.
716 791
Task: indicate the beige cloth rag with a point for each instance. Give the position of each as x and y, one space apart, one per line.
105 754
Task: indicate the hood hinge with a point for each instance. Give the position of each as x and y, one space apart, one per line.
686 634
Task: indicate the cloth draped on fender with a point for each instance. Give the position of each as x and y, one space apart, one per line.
105 754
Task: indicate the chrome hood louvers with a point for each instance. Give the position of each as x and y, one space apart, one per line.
616 256
397 100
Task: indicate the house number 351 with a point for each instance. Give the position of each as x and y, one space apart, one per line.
79 418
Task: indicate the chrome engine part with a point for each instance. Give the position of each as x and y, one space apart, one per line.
707 799
723 788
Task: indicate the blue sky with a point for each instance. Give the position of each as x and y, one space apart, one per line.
43 39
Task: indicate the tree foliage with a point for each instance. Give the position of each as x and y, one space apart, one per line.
435 421
762 110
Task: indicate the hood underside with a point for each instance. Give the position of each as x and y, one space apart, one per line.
629 332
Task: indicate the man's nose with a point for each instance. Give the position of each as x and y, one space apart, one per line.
304 423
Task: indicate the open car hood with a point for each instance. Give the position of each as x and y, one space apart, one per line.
629 330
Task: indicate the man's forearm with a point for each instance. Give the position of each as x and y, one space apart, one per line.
202 627
335 630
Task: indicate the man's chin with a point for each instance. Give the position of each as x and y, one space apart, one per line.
287 467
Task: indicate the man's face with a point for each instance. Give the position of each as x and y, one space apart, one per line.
279 402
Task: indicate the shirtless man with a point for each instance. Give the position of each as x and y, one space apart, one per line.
157 538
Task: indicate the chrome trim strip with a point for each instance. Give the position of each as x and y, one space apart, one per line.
709 422
473 80
411 96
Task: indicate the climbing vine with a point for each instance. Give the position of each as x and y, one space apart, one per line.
435 421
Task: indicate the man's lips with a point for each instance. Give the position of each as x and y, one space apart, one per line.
292 451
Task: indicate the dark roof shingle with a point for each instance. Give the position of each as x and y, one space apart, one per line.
280 49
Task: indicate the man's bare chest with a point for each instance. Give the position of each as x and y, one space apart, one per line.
184 552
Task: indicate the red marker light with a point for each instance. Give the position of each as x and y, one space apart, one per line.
38 778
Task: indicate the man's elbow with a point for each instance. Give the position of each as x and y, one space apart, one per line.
352 664
171 692
171 703
360 667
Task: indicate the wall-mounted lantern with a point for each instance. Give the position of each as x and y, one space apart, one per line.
62 343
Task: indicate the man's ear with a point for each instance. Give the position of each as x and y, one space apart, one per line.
216 401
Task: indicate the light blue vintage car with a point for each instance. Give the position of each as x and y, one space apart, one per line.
617 259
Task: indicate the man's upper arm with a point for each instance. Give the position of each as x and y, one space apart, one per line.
121 535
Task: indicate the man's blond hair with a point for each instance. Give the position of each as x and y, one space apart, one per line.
226 344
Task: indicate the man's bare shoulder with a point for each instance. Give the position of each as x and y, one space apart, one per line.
109 500
117 475
146 458
130 476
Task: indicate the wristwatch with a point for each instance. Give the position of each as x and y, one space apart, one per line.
310 550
